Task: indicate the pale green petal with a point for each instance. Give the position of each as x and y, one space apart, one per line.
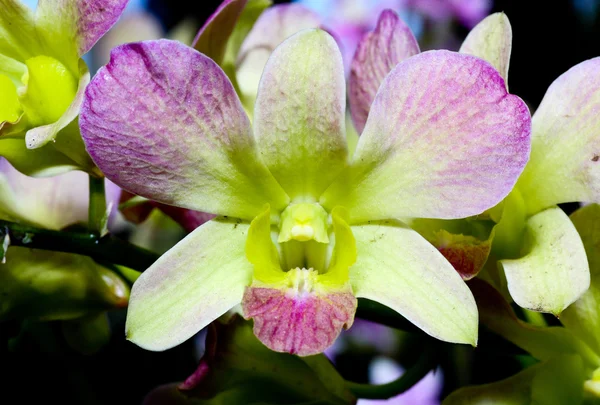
12 68
398 268
565 141
491 40
51 203
553 271
18 37
558 381
41 162
583 316
299 119
191 285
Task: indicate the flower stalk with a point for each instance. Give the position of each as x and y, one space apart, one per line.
106 248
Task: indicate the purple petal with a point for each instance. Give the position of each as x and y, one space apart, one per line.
89 19
378 52
444 139
212 38
163 121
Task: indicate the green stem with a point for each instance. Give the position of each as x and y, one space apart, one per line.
107 248
97 207
413 375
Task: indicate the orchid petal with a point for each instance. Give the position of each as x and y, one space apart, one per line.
162 120
64 203
184 291
299 120
583 316
40 136
212 38
443 140
12 68
80 22
272 27
378 52
18 36
398 268
41 162
491 40
565 159
554 271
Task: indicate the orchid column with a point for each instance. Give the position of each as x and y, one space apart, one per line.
302 229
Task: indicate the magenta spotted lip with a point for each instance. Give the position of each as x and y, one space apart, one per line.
298 322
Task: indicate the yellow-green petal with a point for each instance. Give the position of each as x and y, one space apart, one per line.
553 271
191 285
400 269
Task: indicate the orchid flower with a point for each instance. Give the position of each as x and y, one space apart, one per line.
528 236
42 80
51 285
302 231
569 367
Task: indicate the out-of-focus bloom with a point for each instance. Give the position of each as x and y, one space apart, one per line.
569 368
42 80
52 285
533 240
350 20
240 37
187 141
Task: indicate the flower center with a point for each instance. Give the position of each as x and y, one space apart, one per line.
303 222
301 281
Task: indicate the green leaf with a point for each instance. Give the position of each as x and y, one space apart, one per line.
583 317
238 369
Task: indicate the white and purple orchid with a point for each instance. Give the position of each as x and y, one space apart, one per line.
303 229
43 78
538 248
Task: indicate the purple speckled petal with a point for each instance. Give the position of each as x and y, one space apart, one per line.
444 139
302 323
565 143
273 26
491 40
163 121
191 285
83 21
299 121
212 38
378 52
